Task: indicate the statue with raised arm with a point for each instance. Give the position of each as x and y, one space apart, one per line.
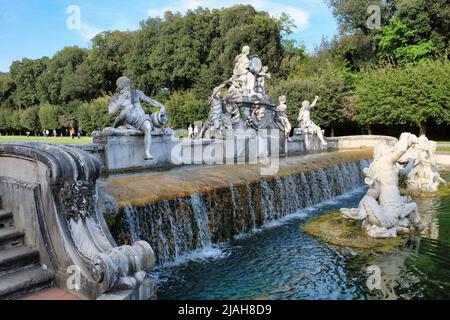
384 212
127 104
305 122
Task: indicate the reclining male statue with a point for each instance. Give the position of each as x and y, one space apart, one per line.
132 116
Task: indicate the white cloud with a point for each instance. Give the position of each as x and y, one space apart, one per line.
300 16
88 32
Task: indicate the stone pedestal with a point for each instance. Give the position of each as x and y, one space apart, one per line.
126 150
302 141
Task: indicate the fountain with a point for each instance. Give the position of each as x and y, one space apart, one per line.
138 196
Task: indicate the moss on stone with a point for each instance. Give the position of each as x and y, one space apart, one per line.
148 188
334 229
110 220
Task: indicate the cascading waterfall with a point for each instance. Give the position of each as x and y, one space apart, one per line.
176 227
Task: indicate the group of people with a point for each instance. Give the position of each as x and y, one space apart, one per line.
193 131
72 133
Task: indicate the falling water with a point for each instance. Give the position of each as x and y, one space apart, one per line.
177 227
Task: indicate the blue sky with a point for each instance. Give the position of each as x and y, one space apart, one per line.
36 28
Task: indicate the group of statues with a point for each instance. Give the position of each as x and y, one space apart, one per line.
383 211
240 102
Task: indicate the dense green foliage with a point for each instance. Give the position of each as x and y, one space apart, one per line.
395 75
414 94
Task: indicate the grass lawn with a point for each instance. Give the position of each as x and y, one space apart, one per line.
58 140
443 149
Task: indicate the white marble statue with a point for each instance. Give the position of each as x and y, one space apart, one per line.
243 79
305 122
282 118
384 212
127 103
261 81
424 176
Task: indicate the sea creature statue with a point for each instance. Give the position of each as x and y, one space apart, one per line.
306 124
127 103
282 118
384 212
424 176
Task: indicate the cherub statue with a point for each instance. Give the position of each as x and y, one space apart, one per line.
424 176
261 88
305 122
127 103
282 118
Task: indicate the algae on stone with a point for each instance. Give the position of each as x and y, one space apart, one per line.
334 229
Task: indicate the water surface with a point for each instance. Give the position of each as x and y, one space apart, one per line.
281 262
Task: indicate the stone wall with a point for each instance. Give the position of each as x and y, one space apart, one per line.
122 153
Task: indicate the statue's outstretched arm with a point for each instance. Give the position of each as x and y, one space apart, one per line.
151 101
402 145
313 104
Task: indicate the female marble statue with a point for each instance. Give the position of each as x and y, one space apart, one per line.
128 103
282 118
305 122
243 78
384 212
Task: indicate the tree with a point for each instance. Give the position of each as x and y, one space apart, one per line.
414 94
184 108
29 119
48 116
396 43
5 115
93 115
7 87
25 74
57 84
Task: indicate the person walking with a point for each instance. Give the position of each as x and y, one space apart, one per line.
54 134
72 133
196 131
190 131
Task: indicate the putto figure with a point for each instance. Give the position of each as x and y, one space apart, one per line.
306 124
127 103
384 212
282 118
424 176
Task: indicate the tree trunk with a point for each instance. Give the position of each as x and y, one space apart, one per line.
423 128
332 131
369 129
